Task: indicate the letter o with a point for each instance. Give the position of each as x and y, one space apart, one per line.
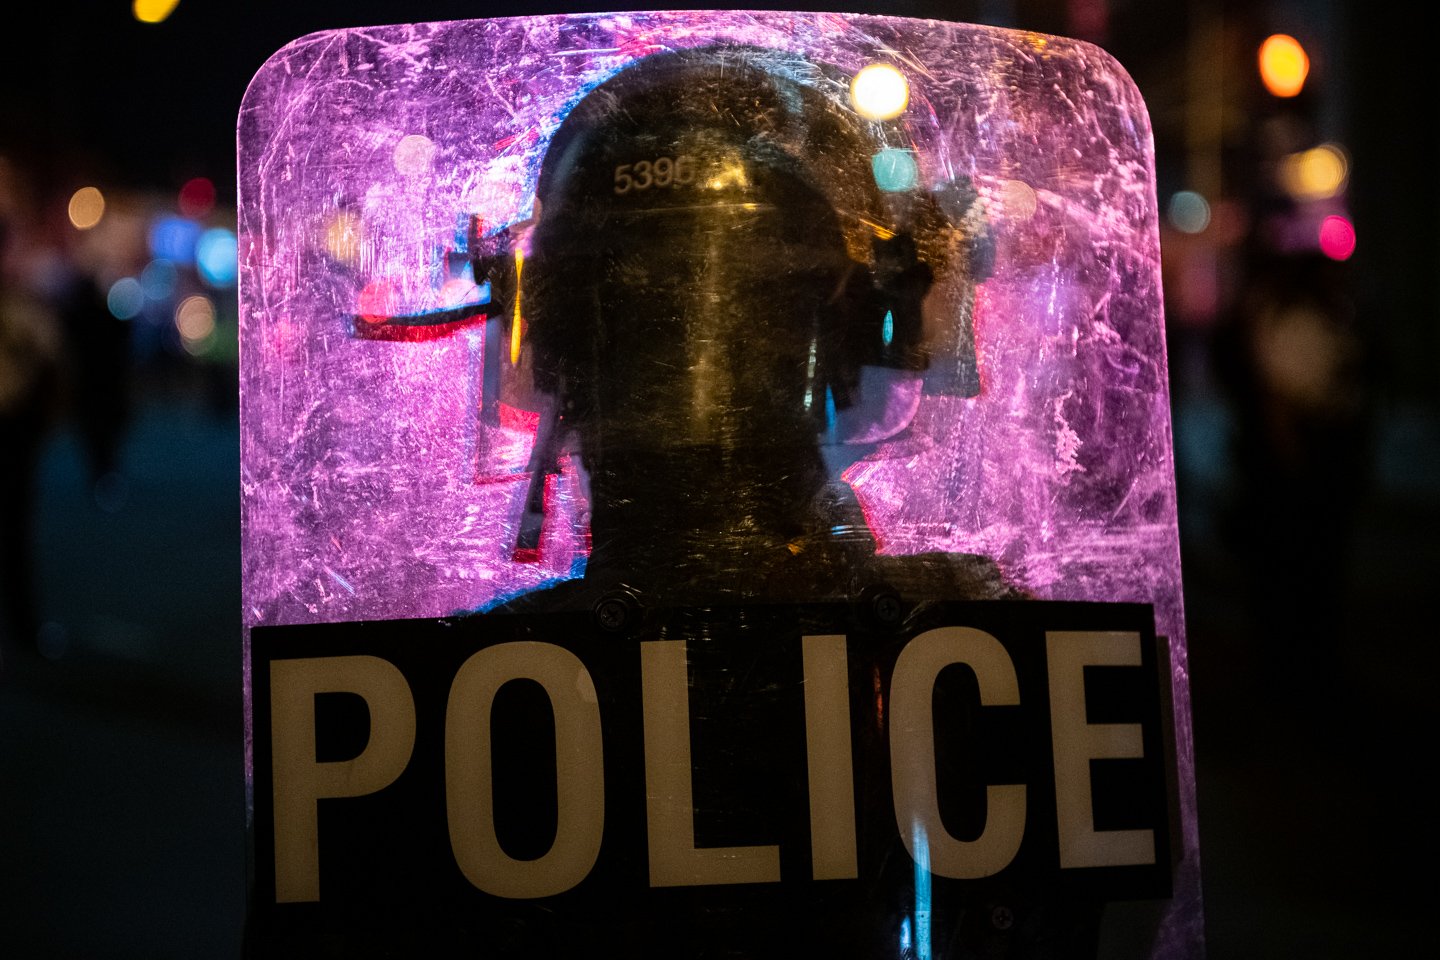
580 775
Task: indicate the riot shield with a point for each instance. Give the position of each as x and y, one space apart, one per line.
708 491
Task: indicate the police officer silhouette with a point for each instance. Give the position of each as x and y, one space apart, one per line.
710 266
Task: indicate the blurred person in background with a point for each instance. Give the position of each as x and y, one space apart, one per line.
30 363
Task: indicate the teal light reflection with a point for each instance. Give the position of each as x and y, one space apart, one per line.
895 170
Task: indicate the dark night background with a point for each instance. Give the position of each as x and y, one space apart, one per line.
1308 529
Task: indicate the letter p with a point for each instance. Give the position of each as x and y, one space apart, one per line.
300 781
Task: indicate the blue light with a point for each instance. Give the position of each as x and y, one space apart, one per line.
887 334
173 238
125 299
216 257
1189 212
158 279
905 935
895 170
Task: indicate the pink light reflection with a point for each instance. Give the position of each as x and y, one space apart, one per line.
1337 238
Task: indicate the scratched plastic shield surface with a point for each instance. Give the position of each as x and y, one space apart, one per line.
414 442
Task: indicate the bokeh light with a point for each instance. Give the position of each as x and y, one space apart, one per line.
1284 65
1315 174
195 321
343 237
378 301
158 279
1189 212
895 170
215 257
1337 237
197 197
413 155
153 11
173 238
1018 200
879 92
87 206
125 299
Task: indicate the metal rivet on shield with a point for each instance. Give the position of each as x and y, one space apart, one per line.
615 611
887 607
879 605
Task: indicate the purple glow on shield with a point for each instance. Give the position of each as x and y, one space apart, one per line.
374 488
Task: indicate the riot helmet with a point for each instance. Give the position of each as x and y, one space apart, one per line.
712 262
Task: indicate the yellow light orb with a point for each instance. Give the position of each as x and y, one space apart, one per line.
879 92
343 237
1284 65
87 206
1315 174
153 11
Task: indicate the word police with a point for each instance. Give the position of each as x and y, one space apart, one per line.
661 747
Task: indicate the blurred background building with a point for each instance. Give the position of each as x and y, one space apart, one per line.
1295 170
